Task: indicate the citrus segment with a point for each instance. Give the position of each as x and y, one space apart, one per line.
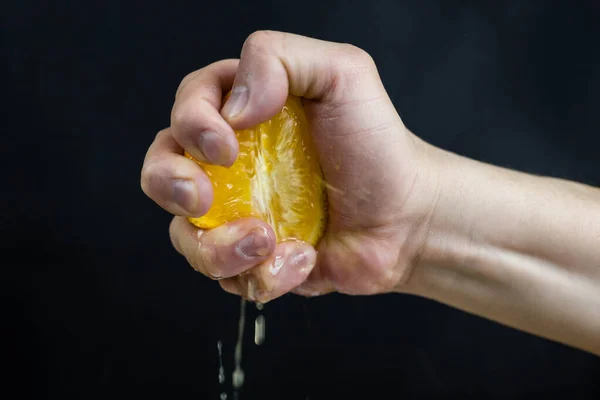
276 177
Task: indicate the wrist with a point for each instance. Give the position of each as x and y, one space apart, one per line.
454 193
515 248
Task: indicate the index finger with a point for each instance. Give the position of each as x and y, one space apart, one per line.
196 122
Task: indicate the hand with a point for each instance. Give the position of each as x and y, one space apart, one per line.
518 249
378 185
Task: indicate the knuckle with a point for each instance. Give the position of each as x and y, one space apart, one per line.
155 181
259 40
383 275
196 264
206 260
179 119
148 176
188 117
161 134
378 271
183 122
353 62
350 66
188 242
358 55
173 235
185 82
388 282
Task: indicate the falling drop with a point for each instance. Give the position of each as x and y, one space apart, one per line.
221 368
238 378
259 330
238 373
259 325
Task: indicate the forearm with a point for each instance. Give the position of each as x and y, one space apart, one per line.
518 249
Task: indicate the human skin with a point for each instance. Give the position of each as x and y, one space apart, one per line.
404 216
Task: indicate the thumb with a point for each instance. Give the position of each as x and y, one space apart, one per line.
275 64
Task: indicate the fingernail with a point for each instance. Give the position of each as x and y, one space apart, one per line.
236 102
301 258
307 292
185 194
256 244
215 148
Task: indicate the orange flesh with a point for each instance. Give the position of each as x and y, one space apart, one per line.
276 177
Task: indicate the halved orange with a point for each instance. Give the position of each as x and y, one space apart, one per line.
276 177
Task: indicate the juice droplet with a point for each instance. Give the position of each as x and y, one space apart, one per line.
221 368
238 378
238 373
259 330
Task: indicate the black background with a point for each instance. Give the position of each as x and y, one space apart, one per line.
101 306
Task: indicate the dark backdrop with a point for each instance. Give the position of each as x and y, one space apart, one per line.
101 306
